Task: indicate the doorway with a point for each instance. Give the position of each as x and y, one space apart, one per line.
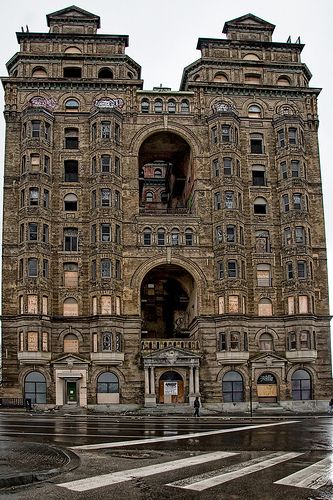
71 392
171 388
267 388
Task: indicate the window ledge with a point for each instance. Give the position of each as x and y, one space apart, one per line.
35 357
302 356
114 358
233 357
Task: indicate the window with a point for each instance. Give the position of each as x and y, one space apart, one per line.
105 73
93 199
171 106
292 136
188 237
256 144
117 133
214 137
93 234
72 105
33 196
117 166
216 167
46 198
22 198
107 383
222 342
254 111
232 269
157 172
292 343
71 240
295 168
32 231
105 197
47 165
221 305
289 267
262 242
105 164
149 197
93 270
117 236
70 202
266 342
147 236
218 234
71 138
35 129
23 164
161 237
105 233
21 233
32 268
301 385
175 237
71 343
300 235
287 236
232 387
265 307
105 130
252 79
231 234
303 304
32 304
297 201
93 165
226 133
106 304
72 72
227 166
93 132
258 175
229 199
285 203
283 170
184 106
35 388
304 340
291 305
301 269
220 270
45 268
144 106
260 206
105 268
217 200
34 163
234 341
281 138
45 338
71 275
107 342
71 308
117 270
264 275
233 304
71 171
158 106
117 200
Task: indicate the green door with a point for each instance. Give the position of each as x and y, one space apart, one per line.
71 392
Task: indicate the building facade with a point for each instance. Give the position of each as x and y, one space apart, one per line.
159 244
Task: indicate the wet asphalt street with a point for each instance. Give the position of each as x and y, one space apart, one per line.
150 458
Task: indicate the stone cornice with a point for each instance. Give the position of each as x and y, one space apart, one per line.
252 90
244 44
71 85
71 37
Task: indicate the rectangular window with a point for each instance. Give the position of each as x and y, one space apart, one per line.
292 135
256 144
106 304
117 269
283 170
45 339
297 201
117 166
32 304
287 236
118 306
188 238
47 165
117 200
232 269
161 238
291 305
32 268
231 234
290 273
45 268
229 199
33 197
292 341
105 268
117 133
22 198
301 269
222 342
227 166
303 305
93 165
285 203
93 234
295 168
46 198
105 197
234 341
117 236
217 200
233 304
221 305
21 233
281 138
47 131
93 132
94 312
218 234
33 231
105 164
214 135
45 233
71 170
71 275
32 341
34 163
93 270
35 129
105 232
226 133
220 270
93 199
71 240
216 167
300 235
304 340
105 130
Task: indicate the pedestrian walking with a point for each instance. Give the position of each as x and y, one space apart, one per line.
196 405
330 406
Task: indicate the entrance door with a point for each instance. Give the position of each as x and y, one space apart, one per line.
71 392
171 388
267 388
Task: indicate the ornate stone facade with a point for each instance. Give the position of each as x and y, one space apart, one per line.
163 244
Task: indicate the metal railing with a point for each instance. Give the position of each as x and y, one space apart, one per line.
15 403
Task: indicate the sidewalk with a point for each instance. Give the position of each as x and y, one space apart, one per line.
23 463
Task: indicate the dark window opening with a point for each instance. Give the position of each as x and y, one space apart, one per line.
72 72
71 171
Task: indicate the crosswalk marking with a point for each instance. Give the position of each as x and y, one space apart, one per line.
214 478
90 483
313 477
117 444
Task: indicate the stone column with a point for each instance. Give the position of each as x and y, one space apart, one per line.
147 381
196 381
152 380
191 381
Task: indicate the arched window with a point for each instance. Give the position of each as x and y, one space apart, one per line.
184 106
149 197
175 237
107 342
147 236
171 106
39 72
35 388
260 206
251 57
107 383
265 307
254 111
161 236
301 385
71 307
72 50
71 343
144 106
220 77
188 237
266 342
283 81
105 73
157 172
72 105
70 202
232 387
158 106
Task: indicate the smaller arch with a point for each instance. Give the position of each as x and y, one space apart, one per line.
72 50
301 385
171 375
265 307
267 378
105 73
72 104
158 106
251 57
39 72
35 387
266 342
107 383
171 106
184 106
145 106
175 236
157 172
260 205
147 236
70 202
70 307
70 343
283 81
220 77
254 111
149 197
232 387
196 77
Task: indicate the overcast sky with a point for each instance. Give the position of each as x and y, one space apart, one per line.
163 36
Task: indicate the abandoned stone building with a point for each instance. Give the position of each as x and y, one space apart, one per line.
160 244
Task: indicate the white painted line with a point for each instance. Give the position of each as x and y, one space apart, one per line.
315 476
91 483
214 478
176 438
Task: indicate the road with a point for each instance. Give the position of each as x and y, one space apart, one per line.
150 458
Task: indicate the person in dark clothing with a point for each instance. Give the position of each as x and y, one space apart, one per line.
196 407
330 406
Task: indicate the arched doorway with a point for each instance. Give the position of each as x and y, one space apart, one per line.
168 302
267 388
171 388
35 388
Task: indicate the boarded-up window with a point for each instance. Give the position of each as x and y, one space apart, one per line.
291 305
118 306
35 163
21 341
265 307
94 306
303 305
21 304
45 305
221 305
233 304
32 304
45 342
94 342
71 307
304 340
71 275
106 304
32 341
71 343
